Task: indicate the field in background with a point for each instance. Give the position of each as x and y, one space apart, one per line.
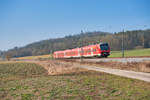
36 57
128 53
27 81
131 53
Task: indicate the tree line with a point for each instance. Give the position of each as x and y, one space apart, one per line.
132 40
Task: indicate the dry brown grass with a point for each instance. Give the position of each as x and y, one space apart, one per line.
7 62
133 66
145 67
56 67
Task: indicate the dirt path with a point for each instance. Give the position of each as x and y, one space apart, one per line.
124 73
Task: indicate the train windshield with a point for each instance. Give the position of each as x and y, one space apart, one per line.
104 46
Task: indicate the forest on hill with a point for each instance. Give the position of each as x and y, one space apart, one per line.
132 40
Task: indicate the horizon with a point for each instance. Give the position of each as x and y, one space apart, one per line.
28 21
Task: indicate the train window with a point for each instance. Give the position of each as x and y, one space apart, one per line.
85 51
104 46
74 52
81 51
89 50
94 50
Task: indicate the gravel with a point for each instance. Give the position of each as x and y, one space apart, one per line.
123 60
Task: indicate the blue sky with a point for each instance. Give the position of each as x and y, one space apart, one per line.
26 21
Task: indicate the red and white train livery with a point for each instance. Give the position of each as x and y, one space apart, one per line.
98 50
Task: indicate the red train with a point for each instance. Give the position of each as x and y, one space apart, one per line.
98 50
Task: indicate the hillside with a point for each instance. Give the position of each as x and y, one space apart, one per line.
133 40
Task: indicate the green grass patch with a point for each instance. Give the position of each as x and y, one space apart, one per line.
15 71
131 53
88 85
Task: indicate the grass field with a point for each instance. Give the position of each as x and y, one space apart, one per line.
131 53
36 57
27 81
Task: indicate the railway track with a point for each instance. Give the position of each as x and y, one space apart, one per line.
122 60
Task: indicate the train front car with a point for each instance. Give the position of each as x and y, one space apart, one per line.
104 49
